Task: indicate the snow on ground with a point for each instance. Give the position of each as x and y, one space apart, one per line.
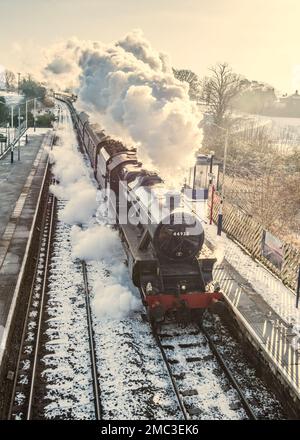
131 373
66 350
11 98
284 131
282 122
132 376
261 399
126 351
215 398
272 290
12 133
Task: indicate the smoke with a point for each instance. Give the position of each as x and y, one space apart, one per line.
59 66
96 242
113 297
74 184
130 88
113 301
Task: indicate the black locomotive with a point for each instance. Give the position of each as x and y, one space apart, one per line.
161 240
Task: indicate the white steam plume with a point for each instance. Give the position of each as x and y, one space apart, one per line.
113 297
74 183
130 88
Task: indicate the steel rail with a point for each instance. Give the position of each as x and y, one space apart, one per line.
42 301
96 388
173 380
28 309
49 215
247 407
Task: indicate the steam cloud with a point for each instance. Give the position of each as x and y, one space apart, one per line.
113 297
130 88
74 183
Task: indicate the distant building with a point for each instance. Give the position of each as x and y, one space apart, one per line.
290 104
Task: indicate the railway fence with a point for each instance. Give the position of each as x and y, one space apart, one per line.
11 142
249 233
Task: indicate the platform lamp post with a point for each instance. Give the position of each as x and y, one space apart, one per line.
19 131
34 114
26 115
3 103
7 134
298 289
212 186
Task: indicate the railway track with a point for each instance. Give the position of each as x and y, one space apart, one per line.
25 380
22 400
204 386
96 389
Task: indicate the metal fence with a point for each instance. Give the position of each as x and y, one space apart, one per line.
251 235
12 138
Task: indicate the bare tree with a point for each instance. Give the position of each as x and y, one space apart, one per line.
9 79
2 79
191 78
219 89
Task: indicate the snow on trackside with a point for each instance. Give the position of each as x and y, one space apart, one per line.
90 241
74 185
272 290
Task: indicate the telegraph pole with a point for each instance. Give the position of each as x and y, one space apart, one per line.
12 136
19 76
26 116
12 117
34 113
220 215
19 134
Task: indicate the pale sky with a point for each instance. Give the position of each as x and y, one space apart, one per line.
258 38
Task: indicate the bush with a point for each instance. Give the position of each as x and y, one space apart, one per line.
4 111
45 120
32 89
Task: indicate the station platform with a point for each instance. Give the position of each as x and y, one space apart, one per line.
20 184
263 306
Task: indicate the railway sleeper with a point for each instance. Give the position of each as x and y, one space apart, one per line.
194 359
235 405
190 392
168 347
179 376
190 345
173 361
193 410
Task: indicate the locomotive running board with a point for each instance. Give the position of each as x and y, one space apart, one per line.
145 241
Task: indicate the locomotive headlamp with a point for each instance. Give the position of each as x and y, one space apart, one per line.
149 288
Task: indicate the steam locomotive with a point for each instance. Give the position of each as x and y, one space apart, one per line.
163 242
